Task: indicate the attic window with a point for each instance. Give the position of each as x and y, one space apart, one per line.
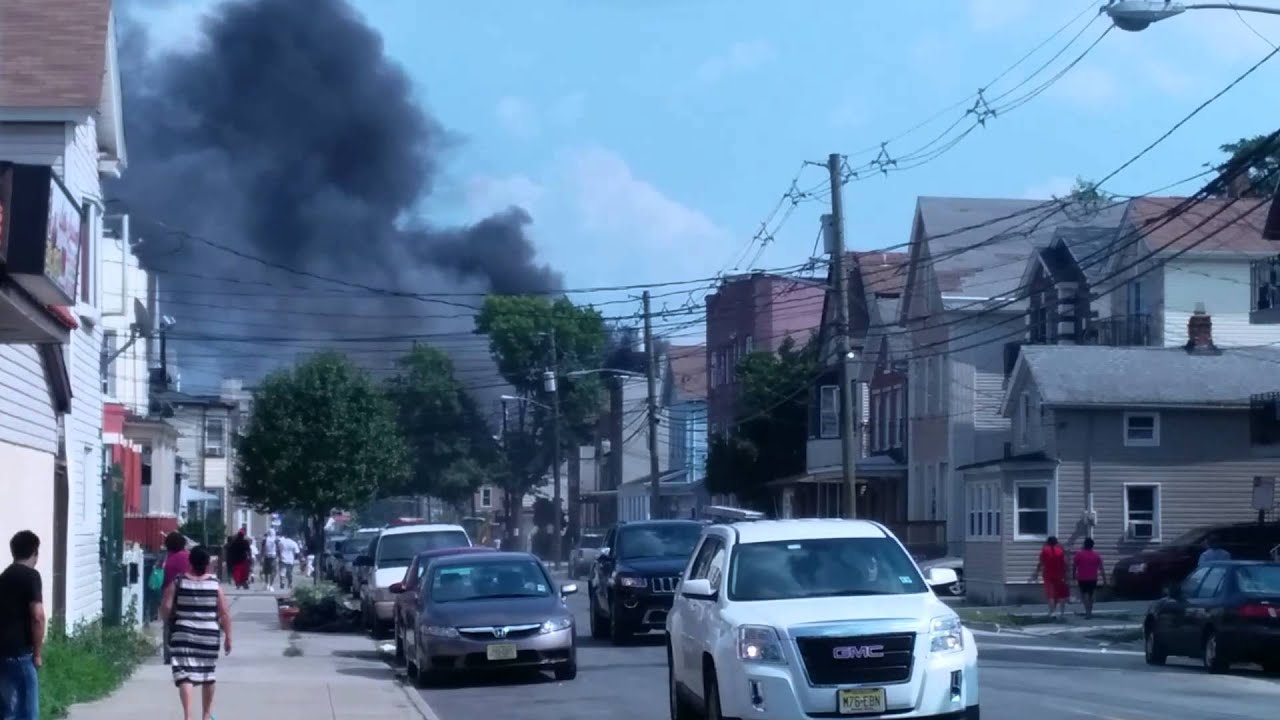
1141 429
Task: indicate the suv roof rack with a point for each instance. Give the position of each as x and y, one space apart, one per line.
725 514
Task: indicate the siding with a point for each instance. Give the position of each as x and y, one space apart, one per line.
26 408
33 143
215 473
188 420
1223 287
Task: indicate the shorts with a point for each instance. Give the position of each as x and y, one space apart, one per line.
268 565
1056 590
1088 587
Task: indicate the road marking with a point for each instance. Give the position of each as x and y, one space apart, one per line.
1059 649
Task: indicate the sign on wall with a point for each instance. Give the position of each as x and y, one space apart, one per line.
46 235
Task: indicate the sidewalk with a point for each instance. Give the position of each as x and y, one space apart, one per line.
337 677
1108 617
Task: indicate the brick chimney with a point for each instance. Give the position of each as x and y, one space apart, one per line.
1200 333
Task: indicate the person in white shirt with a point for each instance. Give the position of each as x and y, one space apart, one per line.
270 550
288 552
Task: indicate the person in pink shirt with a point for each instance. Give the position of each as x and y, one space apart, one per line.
1089 572
177 562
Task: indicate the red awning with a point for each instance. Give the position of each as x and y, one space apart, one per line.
65 316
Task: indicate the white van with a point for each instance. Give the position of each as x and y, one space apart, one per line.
388 558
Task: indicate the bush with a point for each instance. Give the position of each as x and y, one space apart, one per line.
320 607
87 664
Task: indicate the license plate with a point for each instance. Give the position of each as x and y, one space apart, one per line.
501 651
861 702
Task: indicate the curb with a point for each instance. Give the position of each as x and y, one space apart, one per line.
415 700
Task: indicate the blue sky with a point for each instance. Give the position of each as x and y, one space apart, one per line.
650 139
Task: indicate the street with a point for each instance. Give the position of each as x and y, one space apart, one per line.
1042 678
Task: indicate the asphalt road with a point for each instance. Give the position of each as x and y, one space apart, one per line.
1020 678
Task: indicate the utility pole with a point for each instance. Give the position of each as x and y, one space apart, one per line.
651 378
848 425
549 379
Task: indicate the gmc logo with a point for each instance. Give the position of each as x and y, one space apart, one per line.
857 652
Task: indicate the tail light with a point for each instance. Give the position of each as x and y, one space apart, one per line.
1257 611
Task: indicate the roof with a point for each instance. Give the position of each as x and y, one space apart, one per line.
689 369
1149 376
55 53
425 527
883 273
759 531
1004 232
483 557
1087 247
1229 226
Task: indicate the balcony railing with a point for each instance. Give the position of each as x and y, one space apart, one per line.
1264 419
1264 291
1119 331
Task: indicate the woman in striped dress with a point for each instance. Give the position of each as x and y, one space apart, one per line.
197 609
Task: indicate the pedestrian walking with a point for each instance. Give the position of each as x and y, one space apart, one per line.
287 553
1052 566
270 549
176 563
1214 552
197 609
22 628
1089 571
240 558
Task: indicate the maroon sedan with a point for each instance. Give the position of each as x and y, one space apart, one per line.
408 593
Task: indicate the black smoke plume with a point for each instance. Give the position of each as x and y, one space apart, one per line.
282 149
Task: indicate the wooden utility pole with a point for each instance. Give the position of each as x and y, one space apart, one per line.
848 398
651 377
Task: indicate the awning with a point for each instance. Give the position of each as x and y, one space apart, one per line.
192 495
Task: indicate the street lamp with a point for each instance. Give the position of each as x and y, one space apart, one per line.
1138 15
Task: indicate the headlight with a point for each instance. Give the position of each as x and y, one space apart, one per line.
1137 567
633 582
440 631
946 634
556 624
760 643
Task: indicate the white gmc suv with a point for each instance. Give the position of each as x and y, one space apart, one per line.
815 618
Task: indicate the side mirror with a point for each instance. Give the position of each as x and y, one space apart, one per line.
941 576
363 561
396 588
604 553
568 589
699 589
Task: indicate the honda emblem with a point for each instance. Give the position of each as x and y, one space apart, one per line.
499 632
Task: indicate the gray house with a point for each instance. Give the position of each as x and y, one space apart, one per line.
1133 445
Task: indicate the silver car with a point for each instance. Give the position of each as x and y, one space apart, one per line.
491 611
584 554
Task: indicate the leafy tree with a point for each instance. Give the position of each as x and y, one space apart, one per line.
322 436
1261 159
768 439
212 523
450 444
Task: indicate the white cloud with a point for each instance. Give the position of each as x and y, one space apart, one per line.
989 15
741 57
1056 186
1087 86
517 116
486 195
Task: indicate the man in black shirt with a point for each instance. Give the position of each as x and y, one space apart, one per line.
22 628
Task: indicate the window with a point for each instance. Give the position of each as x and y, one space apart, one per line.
1141 429
882 431
486 497
824 567
86 250
1024 419
895 417
1031 509
748 345
1212 583
933 373
110 342
983 510
215 433
829 411
931 482
1142 512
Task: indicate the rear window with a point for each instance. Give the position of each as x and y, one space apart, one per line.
1259 579
400 550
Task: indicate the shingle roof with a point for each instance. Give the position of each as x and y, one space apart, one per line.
1132 376
1010 230
53 53
1234 227
883 273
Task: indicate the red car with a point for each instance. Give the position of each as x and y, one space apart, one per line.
407 591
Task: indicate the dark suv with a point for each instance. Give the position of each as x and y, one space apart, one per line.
634 579
1152 572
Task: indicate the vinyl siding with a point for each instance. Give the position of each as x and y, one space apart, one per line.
188 420
1223 287
33 143
26 408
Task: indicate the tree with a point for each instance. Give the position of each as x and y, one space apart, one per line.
518 328
450 445
322 436
210 529
1261 159
767 441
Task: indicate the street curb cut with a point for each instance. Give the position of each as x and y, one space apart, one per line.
415 699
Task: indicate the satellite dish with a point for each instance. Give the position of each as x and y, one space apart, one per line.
142 317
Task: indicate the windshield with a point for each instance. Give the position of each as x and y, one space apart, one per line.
591 541
822 568
400 550
357 545
489 580
1259 579
658 541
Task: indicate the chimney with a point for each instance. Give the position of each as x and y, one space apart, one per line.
1200 333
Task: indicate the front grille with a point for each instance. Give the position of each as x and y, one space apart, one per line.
488 634
858 660
664 585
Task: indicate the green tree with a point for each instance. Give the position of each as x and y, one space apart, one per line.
1261 159
767 441
450 445
322 436
210 529
519 328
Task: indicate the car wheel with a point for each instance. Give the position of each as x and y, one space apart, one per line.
567 672
599 626
619 633
1214 661
1152 648
711 696
680 709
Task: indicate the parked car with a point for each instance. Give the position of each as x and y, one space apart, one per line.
815 618
354 547
636 574
408 590
955 589
387 560
1152 572
1223 614
585 553
491 611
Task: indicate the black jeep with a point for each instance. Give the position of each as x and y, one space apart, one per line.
634 579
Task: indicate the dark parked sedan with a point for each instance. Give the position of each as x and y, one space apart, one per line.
491 611
408 591
1224 613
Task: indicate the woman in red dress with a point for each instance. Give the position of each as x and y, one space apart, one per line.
1053 567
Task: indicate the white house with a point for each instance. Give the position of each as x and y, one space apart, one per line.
60 134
